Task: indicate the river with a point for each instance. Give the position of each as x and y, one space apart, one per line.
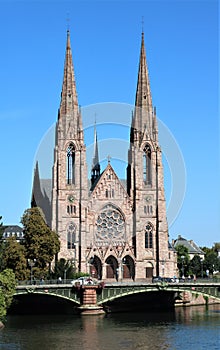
189 328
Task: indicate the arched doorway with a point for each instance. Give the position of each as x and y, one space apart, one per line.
128 267
149 270
111 267
95 268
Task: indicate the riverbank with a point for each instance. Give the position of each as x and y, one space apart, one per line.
195 299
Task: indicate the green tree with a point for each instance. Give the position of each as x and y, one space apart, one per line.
183 259
7 290
64 268
195 265
13 257
206 250
1 226
216 247
41 243
211 262
1 242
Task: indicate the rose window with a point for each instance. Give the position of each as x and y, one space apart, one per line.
110 225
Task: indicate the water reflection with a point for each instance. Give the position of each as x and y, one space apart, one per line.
126 331
179 330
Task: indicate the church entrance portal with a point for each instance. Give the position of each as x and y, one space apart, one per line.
128 267
95 267
149 270
111 267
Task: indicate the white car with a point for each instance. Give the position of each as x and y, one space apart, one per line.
82 281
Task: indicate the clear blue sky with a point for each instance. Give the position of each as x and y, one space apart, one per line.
181 39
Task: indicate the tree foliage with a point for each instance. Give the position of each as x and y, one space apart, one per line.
64 268
195 266
13 257
40 242
183 259
1 242
212 262
7 290
216 247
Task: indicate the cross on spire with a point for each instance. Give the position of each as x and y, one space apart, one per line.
142 24
109 159
68 21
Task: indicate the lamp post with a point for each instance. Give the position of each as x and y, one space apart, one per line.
182 258
31 263
201 268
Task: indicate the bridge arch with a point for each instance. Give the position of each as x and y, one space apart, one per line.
120 292
69 294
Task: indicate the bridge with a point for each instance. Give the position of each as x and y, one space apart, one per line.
93 299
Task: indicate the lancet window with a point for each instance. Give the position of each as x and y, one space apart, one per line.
71 236
149 236
147 171
70 165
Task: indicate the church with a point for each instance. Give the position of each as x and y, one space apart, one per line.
109 228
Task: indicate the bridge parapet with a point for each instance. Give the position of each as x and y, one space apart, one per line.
63 291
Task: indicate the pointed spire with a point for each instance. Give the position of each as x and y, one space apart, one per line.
36 189
69 101
96 152
143 102
143 94
95 160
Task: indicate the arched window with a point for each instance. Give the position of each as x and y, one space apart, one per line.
147 172
71 236
70 165
149 236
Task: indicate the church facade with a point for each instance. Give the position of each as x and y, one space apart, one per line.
107 229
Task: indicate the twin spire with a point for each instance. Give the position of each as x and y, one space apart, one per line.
143 118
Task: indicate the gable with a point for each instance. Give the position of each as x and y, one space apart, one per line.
109 187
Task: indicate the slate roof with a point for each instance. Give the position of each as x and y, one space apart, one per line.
189 244
13 230
46 187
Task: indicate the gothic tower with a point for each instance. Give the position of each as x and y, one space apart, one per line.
145 183
69 183
104 229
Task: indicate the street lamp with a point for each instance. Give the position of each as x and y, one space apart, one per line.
123 262
31 263
182 258
201 268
